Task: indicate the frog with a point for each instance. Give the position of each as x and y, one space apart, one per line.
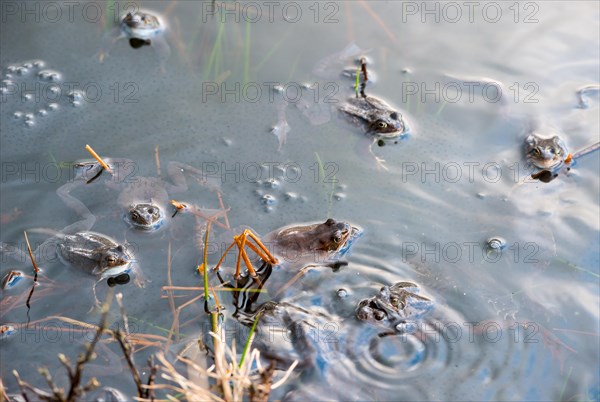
298 249
375 117
328 339
549 156
141 28
87 251
395 306
313 243
144 202
378 121
545 153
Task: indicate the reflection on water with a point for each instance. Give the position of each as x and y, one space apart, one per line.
518 322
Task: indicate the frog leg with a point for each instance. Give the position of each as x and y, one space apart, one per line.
176 172
364 147
108 41
88 218
163 50
97 303
139 279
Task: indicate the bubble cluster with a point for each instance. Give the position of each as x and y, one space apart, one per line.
35 91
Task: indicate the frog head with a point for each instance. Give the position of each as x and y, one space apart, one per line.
545 153
145 216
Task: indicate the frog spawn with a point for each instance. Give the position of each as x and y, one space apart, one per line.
272 190
35 91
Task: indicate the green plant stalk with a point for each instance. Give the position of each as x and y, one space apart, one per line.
205 261
249 340
293 69
247 54
571 265
110 5
564 388
216 48
274 48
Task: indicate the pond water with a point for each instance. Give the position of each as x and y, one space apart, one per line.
471 80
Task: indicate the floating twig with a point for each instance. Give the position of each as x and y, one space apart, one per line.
98 158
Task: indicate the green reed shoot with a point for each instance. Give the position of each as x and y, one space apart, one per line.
249 340
247 54
204 266
110 5
216 55
272 50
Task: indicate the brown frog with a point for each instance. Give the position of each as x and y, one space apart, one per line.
396 306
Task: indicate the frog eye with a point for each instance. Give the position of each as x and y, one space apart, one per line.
379 315
536 151
394 301
556 151
111 260
135 215
381 124
330 222
394 116
151 210
337 237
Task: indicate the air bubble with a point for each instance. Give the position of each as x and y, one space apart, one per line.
272 183
342 293
7 82
29 116
22 70
75 97
39 64
17 115
11 69
406 327
339 196
290 196
27 65
42 112
496 243
268 209
268 199
49 75
29 123
27 97
53 106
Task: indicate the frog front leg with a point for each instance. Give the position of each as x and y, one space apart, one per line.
364 148
108 41
176 172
